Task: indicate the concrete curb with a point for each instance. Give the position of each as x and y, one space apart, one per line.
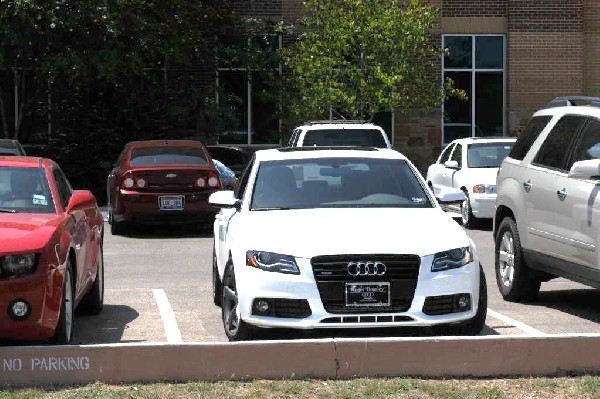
327 359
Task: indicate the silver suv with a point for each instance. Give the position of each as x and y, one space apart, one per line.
339 133
547 219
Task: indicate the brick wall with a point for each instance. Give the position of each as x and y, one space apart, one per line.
267 9
474 8
545 55
591 47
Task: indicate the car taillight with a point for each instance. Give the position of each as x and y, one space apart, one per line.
200 182
141 183
213 181
128 182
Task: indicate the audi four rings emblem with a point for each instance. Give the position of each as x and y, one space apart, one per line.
366 268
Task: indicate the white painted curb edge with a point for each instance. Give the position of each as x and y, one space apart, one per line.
325 359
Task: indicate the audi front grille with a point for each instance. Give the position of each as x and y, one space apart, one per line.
331 274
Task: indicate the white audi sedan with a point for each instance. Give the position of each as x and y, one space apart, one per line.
342 238
471 164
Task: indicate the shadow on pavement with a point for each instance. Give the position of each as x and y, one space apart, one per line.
168 231
582 303
106 327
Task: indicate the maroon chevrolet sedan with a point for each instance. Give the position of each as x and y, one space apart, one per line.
161 181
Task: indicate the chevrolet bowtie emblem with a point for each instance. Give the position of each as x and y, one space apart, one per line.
171 175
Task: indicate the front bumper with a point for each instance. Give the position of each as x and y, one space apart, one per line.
483 206
253 283
41 291
143 207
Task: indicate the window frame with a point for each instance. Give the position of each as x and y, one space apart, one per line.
248 78
473 70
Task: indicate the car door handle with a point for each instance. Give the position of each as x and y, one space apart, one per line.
527 185
561 194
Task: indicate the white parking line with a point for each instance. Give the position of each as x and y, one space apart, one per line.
168 317
521 326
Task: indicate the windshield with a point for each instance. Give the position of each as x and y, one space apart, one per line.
337 183
344 137
167 155
488 155
24 190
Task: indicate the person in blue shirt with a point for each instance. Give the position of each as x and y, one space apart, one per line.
227 176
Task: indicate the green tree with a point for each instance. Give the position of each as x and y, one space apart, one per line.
78 45
358 57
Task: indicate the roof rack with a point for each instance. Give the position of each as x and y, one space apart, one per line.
324 147
568 101
338 121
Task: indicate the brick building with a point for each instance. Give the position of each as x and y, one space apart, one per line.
511 56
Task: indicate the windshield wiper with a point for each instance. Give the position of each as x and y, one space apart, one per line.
8 210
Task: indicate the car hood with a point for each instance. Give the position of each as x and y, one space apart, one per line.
312 232
23 232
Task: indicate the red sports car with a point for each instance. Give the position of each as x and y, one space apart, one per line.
50 251
161 181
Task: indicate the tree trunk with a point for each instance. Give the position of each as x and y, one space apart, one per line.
20 106
3 115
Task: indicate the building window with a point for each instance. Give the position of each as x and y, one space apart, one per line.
476 64
248 111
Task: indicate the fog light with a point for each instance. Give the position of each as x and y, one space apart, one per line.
463 302
19 309
262 306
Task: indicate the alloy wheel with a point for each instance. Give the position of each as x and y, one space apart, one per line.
465 210
506 259
230 308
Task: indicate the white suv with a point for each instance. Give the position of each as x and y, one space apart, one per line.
547 209
341 238
339 133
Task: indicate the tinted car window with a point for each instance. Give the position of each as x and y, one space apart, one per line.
457 155
25 190
63 187
243 182
529 134
487 155
167 155
349 137
555 150
446 153
10 147
588 146
337 183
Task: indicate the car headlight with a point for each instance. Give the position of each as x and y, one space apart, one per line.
15 265
272 262
452 259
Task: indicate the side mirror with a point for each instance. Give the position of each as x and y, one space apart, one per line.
81 199
451 164
586 170
224 199
447 195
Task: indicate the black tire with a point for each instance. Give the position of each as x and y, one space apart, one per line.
516 282
93 301
472 326
235 328
217 286
64 327
466 213
116 228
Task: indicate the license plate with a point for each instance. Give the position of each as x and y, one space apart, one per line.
174 203
368 294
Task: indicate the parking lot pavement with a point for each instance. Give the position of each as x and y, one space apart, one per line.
158 289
